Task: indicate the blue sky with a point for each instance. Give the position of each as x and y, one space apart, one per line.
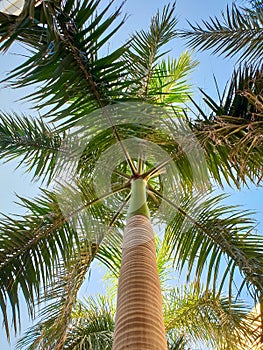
12 181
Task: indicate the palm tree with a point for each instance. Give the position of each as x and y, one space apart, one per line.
46 253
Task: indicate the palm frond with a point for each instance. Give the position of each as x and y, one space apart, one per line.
256 4
31 246
109 254
215 242
168 84
59 298
25 28
59 301
204 317
67 66
95 326
91 326
246 81
32 141
177 343
144 51
237 32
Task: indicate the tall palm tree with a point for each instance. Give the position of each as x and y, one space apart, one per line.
46 253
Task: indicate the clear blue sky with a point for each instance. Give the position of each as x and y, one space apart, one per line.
139 11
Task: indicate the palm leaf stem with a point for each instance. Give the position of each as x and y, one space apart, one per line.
155 171
124 175
178 208
117 214
140 164
98 199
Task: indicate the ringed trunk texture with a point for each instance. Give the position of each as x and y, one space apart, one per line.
139 321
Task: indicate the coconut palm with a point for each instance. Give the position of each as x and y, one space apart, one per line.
46 253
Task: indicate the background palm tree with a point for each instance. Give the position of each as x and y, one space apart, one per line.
42 254
220 324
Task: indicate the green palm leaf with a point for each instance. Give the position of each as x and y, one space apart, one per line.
31 246
145 49
32 141
68 65
205 233
202 317
34 246
168 84
238 32
95 327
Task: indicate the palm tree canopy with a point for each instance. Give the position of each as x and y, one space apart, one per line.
46 253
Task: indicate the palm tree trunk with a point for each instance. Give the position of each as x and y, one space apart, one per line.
139 321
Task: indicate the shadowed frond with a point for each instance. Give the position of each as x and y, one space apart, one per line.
177 343
32 141
25 28
256 4
237 32
91 327
59 301
231 134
